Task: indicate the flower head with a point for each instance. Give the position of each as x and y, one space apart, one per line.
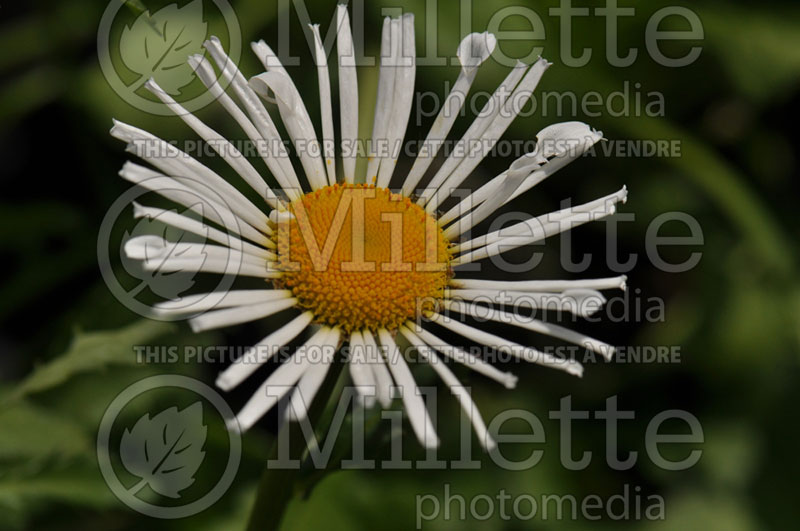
362 259
381 256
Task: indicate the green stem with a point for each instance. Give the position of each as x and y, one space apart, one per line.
277 486
274 492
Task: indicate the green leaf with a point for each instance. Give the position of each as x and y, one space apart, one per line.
761 54
79 486
91 351
22 434
723 183
704 509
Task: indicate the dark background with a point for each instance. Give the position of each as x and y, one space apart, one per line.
66 342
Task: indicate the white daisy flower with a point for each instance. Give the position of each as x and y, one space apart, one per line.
388 269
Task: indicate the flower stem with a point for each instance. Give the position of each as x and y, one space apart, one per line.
278 486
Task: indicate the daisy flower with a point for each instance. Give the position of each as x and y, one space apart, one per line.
362 259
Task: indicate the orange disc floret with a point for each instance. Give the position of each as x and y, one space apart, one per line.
361 257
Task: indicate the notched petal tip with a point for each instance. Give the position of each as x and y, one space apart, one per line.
212 44
566 138
475 48
319 49
139 211
152 86
583 302
202 67
195 60
341 16
125 169
510 381
196 326
265 54
575 369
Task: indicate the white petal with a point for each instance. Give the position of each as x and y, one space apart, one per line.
489 111
312 379
489 190
390 51
267 57
204 264
361 371
467 359
154 250
412 400
191 173
537 229
557 145
348 93
383 379
205 72
403 98
326 107
582 302
474 49
194 226
570 140
223 299
596 209
278 161
142 247
222 146
512 106
473 200
553 286
535 325
460 392
240 314
258 354
500 193
277 385
297 121
177 192
509 347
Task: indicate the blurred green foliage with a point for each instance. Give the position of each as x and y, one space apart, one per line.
67 343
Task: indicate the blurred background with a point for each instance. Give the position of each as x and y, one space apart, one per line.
66 346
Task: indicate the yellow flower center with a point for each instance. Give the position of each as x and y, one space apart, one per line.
361 257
